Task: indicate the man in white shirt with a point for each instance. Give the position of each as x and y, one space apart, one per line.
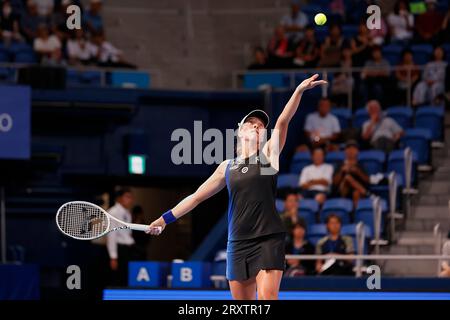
121 244
294 22
316 179
47 46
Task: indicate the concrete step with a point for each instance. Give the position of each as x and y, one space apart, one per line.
410 249
415 238
436 187
415 224
432 199
431 212
410 268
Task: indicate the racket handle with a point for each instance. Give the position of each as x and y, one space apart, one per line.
142 227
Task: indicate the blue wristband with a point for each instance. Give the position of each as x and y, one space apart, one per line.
169 217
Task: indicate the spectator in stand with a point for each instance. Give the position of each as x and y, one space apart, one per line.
381 131
290 213
376 77
45 7
9 24
330 53
260 60
433 79
401 23
294 23
350 179
299 245
30 21
278 49
429 24
445 29
47 46
336 244
406 68
92 18
322 128
361 45
378 35
108 55
80 50
445 266
337 11
59 21
343 81
307 51
317 178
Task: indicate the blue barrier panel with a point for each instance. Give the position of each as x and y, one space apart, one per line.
15 125
191 274
276 80
19 282
147 274
130 79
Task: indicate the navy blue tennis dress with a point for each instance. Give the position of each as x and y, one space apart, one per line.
256 233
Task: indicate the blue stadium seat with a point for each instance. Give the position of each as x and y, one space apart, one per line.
274 79
392 53
317 230
287 181
17 47
308 207
446 47
339 206
299 161
402 115
373 161
335 157
364 213
77 78
309 217
279 205
419 141
360 117
25 57
431 118
219 268
321 33
422 53
4 56
349 30
350 230
314 239
396 163
344 115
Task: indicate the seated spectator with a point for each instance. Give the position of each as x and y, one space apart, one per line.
47 46
407 74
401 23
429 24
80 50
45 7
108 55
30 21
322 128
317 178
433 79
260 60
382 132
278 49
378 35
445 29
307 51
343 82
361 45
58 20
9 24
330 52
350 179
335 244
445 266
294 23
299 245
290 213
375 76
92 18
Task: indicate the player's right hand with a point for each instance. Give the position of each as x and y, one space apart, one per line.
153 228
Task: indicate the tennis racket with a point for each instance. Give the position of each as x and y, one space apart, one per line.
86 221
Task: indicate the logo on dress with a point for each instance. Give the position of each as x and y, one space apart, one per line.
244 169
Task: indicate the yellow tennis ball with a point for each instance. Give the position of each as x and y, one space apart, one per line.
320 19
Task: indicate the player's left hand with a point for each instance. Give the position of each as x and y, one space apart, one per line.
311 83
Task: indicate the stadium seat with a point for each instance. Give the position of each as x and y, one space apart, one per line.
287 181
339 206
402 115
17 47
446 47
392 53
396 163
350 230
25 57
129 79
299 161
335 157
321 33
349 30
364 213
4 56
372 160
431 118
422 53
317 230
309 217
279 205
274 79
344 115
360 117
308 209
77 78
419 141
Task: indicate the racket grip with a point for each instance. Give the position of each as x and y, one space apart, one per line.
142 227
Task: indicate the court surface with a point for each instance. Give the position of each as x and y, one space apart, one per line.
139 294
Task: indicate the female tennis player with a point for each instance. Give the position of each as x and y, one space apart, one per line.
256 234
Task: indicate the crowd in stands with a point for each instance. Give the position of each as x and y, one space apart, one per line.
38 29
297 43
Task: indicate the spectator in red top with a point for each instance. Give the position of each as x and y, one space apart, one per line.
429 23
278 49
307 51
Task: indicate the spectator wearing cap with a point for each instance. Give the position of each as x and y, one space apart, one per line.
322 128
381 131
92 18
294 22
336 244
317 178
299 245
350 179
429 24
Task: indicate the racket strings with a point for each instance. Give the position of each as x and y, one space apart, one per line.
83 221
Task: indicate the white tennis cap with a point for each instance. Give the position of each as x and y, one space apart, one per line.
257 113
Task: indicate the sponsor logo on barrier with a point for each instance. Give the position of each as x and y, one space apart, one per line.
74 279
374 280
6 122
74 20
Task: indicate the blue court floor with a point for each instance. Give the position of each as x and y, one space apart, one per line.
137 294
